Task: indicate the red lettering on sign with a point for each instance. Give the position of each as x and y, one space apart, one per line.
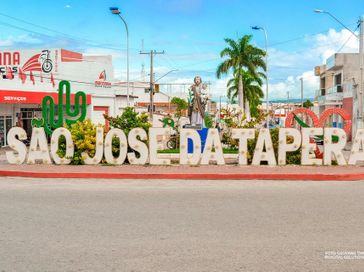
9 58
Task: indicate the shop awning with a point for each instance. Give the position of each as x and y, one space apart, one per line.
31 97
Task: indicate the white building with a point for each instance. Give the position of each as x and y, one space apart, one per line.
26 76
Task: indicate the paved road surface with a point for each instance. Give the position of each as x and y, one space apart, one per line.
107 225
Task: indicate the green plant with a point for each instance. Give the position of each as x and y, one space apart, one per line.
128 120
208 121
291 158
252 89
307 104
84 140
241 55
181 106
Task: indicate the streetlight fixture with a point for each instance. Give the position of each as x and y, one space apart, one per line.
116 11
266 70
336 19
361 61
174 70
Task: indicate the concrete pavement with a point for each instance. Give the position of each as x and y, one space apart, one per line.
135 225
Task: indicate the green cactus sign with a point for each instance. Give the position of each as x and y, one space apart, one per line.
49 120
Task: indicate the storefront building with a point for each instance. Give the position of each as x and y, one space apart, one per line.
26 76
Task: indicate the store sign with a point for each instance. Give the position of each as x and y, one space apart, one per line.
40 62
29 97
38 152
14 99
9 61
101 82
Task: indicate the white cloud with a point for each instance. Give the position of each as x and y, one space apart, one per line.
279 90
67 6
319 48
102 51
293 65
21 39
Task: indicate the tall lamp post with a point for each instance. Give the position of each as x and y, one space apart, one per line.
266 70
361 61
115 10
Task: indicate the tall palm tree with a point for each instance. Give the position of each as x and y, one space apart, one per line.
252 90
241 55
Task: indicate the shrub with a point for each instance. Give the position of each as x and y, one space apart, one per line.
291 158
181 106
84 140
208 121
128 120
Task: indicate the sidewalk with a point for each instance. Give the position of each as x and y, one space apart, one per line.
230 171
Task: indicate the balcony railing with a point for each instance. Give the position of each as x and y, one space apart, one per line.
336 89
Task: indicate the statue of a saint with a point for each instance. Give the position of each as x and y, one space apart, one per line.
197 102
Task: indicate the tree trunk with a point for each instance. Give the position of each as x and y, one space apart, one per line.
241 93
247 110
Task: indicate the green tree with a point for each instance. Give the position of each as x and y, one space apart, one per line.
128 120
252 89
181 105
307 104
208 121
241 55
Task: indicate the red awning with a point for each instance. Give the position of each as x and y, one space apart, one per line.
29 97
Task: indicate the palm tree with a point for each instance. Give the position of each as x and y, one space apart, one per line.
241 55
252 90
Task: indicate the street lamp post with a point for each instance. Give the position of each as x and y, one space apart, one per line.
266 68
115 10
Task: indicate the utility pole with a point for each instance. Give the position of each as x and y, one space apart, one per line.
360 98
143 69
301 92
151 88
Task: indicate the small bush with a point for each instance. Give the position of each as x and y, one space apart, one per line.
291 157
84 140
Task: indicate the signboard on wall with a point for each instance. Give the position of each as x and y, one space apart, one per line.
42 69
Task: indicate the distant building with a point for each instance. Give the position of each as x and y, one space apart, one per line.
26 76
338 83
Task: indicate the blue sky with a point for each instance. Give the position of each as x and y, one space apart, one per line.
191 32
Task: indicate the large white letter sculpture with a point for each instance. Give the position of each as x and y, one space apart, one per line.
69 146
334 149
153 145
138 146
195 157
284 147
264 141
309 146
123 146
243 135
17 146
213 142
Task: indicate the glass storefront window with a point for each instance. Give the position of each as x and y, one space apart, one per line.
6 124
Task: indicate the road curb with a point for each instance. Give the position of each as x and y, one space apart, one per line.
188 176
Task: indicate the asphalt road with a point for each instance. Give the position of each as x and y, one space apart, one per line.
107 225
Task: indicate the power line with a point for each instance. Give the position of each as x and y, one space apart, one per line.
55 31
303 36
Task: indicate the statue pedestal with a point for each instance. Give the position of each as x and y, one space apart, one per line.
203 135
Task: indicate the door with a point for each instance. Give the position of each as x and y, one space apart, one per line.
2 131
